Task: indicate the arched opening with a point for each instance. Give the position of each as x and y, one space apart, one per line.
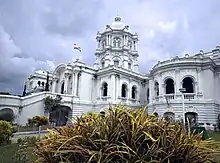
104 89
43 84
188 84
156 88
169 116
124 90
192 117
103 64
7 114
148 94
38 83
116 63
156 114
133 92
59 115
62 88
169 86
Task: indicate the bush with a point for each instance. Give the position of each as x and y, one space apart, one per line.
39 120
124 135
6 130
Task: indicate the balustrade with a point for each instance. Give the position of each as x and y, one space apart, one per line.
174 97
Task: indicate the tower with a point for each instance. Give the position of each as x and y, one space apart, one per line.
117 46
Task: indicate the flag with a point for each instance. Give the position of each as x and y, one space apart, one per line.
77 47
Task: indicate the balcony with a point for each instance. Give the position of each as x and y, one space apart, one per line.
176 97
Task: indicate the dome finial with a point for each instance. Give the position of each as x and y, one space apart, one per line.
117 18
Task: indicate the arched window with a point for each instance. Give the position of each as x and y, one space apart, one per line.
129 44
103 44
124 90
169 86
148 94
116 42
38 83
188 84
129 65
62 88
134 92
43 84
156 88
104 89
103 64
116 63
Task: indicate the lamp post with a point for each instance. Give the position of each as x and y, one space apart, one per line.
182 90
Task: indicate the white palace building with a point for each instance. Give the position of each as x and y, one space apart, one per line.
115 79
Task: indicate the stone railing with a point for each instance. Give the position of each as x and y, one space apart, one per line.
174 97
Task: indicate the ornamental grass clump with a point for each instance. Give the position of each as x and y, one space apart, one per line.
124 135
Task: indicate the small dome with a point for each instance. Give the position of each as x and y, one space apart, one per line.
117 24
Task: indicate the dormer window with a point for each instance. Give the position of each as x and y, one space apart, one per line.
116 63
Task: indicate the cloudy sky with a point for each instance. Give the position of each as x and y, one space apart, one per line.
38 34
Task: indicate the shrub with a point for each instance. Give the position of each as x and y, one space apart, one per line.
6 130
39 120
124 135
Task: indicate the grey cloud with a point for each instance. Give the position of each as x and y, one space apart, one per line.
35 32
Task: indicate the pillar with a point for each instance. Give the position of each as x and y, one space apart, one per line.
151 89
113 86
53 85
177 81
66 83
73 84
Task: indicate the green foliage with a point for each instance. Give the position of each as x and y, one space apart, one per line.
31 140
39 120
6 130
124 135
22 156
51 102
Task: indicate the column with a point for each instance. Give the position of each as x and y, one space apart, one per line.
199 81
53 85
113 86
118 87
161 90
151 89
66 83
177 81
73 84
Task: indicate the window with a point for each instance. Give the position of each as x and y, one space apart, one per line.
116 63
169 86
38 83
103 64
43 84
104 89
133 92
117 42
188 84
124 90
62 88
156 87
129 65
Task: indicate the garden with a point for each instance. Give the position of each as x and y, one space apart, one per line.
119 135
